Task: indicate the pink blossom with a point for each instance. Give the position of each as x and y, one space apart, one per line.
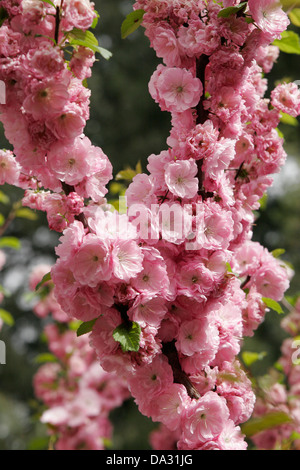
148 310
269 17
46 99
9 168
204 420
92 262
175 89
286 98
181 178
127 259
78 14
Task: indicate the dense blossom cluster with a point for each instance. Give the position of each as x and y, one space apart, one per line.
76 393
47 107
283 394
180 267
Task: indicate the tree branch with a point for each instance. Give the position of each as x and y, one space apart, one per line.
180 377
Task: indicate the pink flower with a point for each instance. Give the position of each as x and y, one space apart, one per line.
46 99
9 168
166 46
153 279
204 419
151 380
169 406
69 124
78 14
92 262
148 310
127 259
73 162
175 89
286 98
214 227
181 178
269 17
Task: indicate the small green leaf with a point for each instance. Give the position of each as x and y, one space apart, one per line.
77 37
132 22
10 242
272 304
268 421
289 120
105 53
4 199
250 358
45 279
86 327
280 133
6 317
128 174
45 357
96 19
25 213
288 43
263 202
139 168
2 220
128 335
295 16
277 253
226 12
50 3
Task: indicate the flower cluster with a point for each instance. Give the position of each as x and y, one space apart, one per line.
282 394
76 393
47 106
223 148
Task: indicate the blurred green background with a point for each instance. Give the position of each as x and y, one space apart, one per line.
129 126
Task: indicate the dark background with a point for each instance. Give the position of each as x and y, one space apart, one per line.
129 126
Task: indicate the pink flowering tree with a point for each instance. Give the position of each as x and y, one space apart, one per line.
168 286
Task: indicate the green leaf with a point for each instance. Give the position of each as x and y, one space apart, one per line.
6 317
50 3
250 358
295 16
77 37
289 120
4 199
277 253
45 279
268 421
2 220
96 19
45 357
226 12
263 202
272 304
86 327
128 335
10 242
105 53
25 213
117 188
131 23
288 43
